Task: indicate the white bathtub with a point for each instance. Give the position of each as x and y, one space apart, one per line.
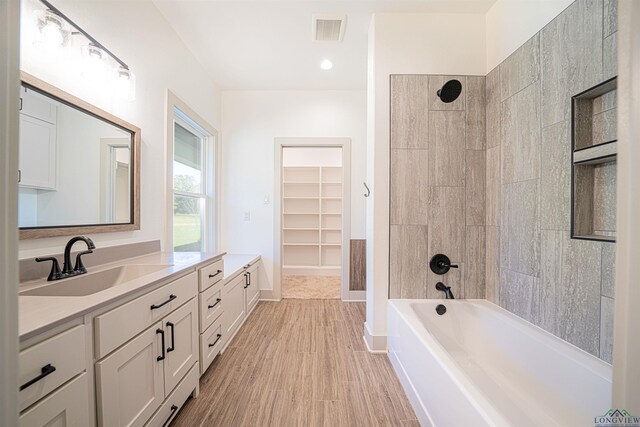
479 365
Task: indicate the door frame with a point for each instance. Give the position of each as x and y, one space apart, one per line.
345 145
9 124
626 346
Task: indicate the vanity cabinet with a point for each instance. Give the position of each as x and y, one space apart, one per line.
212 306
53 381
252 290
142 371
241 294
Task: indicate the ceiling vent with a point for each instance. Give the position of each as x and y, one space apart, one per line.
328 28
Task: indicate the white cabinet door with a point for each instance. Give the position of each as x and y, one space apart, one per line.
252 288
130 382
37 153
234 306
38 106
181 331
66 407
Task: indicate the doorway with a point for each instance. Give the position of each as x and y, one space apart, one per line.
313 218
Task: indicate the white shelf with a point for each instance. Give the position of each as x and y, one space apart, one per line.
304 237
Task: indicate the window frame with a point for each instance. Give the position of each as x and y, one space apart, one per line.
179 113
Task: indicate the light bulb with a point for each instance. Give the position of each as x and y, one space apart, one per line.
326 64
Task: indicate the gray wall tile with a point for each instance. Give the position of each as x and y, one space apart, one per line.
408 264
446 143
571 52
475 187
608 269
493 100
520 228
521 68
606 329
520 136
446 222
493 264
604 126
604 198
555 179
409 186
551 280
610 17
493 204
409 105
580 294
436 104
476 132
609 56
520 294
474 274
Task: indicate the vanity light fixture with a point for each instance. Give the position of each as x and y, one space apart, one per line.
326 64
55 30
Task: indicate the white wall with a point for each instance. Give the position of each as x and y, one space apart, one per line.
510 23
404 44
140 36
250 122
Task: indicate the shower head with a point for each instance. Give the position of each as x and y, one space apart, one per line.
450 91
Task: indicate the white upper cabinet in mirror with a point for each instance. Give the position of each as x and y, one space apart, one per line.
78 166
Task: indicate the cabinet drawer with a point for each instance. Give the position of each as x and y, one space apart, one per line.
174 402
68 406
211 306
115 327
211 274
55 361
210 344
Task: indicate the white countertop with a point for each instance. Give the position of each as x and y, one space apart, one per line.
41 313
233 263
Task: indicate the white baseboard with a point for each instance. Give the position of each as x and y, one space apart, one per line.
375 343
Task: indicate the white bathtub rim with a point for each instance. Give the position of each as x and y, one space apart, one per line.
482 405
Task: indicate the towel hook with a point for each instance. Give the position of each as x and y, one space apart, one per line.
368 191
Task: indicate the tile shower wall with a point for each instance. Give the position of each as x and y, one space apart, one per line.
437 186
533 268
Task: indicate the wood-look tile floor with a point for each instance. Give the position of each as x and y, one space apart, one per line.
311 287
300 363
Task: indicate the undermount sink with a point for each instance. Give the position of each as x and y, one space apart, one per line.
91 283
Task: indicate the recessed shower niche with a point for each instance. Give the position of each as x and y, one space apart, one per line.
593 171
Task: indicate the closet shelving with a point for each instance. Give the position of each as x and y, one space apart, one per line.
312 219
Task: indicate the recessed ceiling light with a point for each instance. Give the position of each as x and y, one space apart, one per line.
326 64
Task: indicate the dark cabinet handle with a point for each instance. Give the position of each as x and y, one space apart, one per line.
216 341
45 371
211 276
161 332
173 337
214 304
171 298
174 408
246 280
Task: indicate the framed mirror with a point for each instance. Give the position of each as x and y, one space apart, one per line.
79 166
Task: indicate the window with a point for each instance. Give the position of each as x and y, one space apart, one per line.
193 184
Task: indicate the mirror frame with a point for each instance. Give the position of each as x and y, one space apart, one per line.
68 230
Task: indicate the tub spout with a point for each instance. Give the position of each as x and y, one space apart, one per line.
446 289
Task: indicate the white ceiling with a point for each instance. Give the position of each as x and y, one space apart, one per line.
266 44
